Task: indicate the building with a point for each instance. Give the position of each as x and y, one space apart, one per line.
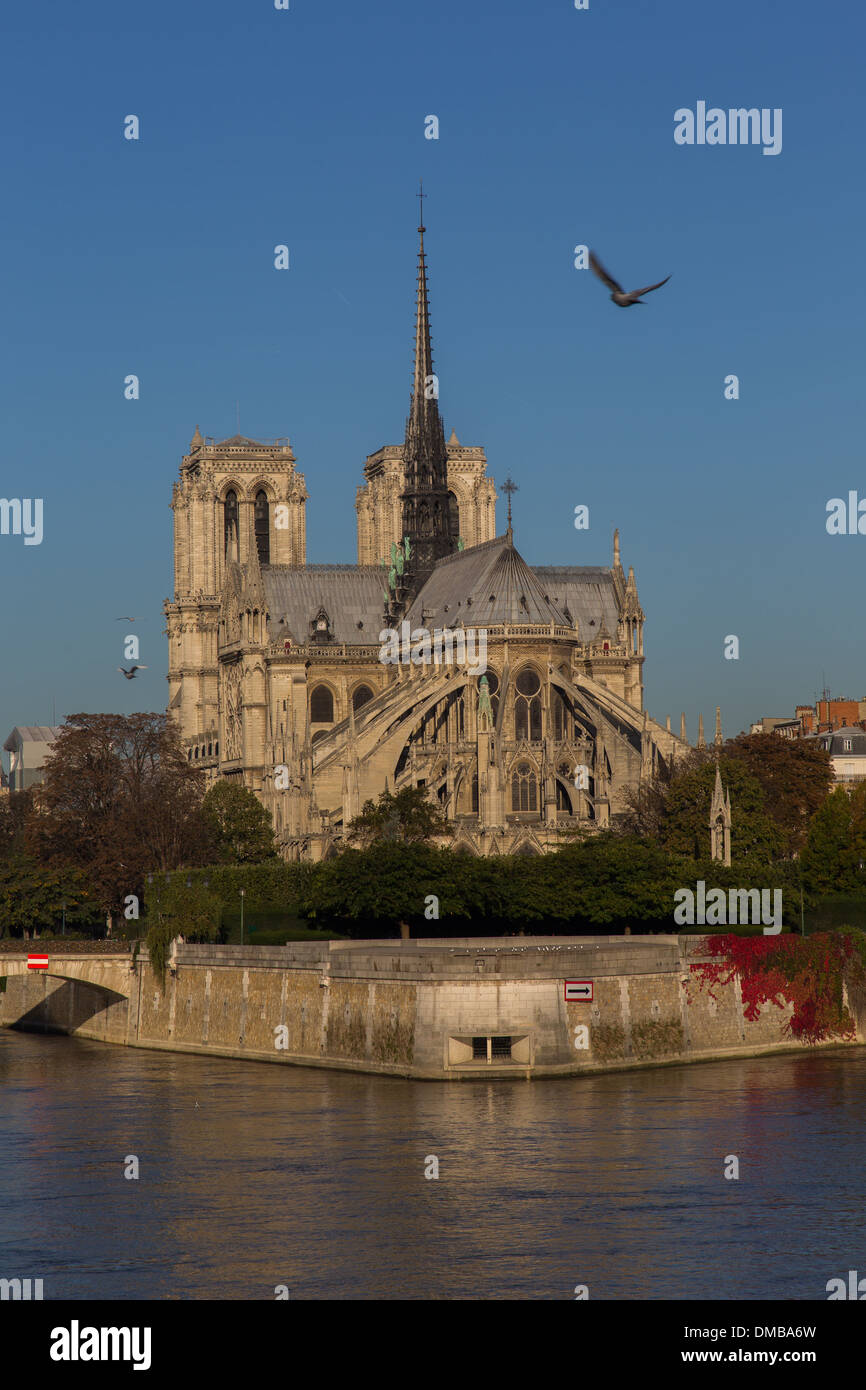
28 746
516 693
847 749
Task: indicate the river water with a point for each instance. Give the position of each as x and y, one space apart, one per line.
253 1176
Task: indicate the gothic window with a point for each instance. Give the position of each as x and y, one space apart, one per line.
475 793
563 800
524 788
321 706
230 515
454 515
361 697
262 517
563 722
527 705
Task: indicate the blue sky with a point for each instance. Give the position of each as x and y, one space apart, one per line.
306 127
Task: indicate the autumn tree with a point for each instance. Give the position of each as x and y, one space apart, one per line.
795 776
120 799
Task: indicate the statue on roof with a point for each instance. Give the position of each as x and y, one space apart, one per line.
461 544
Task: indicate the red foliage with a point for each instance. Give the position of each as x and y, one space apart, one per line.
807 973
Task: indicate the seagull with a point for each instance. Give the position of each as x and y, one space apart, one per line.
619 296
130 620
131 672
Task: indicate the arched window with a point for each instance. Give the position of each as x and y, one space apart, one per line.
262 519
360 697
527 705
321 706
454 515
524 789
230 514
563 719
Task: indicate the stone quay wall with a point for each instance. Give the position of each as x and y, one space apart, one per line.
432 1010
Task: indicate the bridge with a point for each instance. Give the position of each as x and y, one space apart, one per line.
80 991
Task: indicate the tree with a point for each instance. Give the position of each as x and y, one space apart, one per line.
181 908
387 883
408 816
33 895
835 852
242 829
795 776
120 798
685 825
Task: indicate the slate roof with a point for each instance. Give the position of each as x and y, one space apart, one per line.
485 585
349 594
587 592
834 742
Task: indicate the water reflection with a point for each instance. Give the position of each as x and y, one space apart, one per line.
253 1176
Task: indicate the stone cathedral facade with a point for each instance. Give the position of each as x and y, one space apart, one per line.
275 672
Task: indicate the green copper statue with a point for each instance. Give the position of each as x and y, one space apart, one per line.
484 705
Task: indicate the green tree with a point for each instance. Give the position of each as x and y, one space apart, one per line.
409 816
685 824
387 884
178 907
241 827
835 852
33 895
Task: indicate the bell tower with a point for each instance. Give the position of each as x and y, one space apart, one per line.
233 495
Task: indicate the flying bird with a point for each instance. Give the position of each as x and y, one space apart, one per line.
619 295
131 672
130 620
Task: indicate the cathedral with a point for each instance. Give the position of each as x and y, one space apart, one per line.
281 674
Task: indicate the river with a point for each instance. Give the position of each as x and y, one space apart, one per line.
253 1176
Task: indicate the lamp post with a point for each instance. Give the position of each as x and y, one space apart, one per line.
63 928
242 916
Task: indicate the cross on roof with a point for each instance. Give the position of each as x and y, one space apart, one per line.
508 487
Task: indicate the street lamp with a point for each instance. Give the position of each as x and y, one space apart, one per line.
63 929
242 916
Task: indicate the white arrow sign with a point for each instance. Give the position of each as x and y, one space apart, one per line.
578 990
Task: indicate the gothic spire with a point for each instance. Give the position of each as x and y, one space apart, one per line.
426 511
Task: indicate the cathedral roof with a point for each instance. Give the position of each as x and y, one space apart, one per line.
349 594
487 584
587 591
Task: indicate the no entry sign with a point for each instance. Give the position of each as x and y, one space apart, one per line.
37 962
578 990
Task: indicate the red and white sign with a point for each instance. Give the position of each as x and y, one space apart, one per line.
578 991
37 962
